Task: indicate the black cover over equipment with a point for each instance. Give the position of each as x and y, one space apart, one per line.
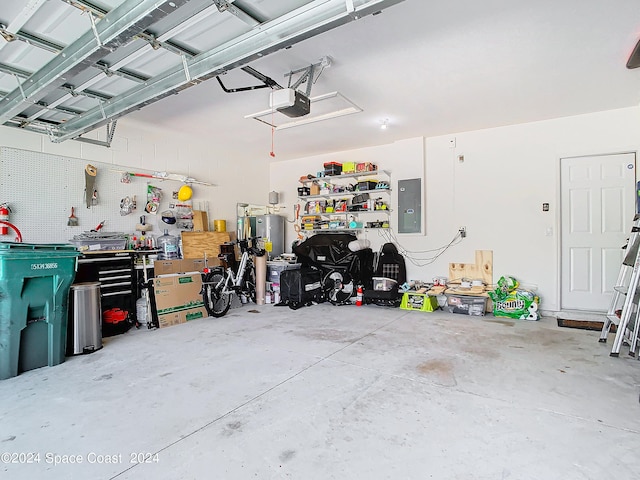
330 252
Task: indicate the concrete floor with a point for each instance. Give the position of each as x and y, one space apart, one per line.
330 392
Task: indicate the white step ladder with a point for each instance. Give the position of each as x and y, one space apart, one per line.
625 298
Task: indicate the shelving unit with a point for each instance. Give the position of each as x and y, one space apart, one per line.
343 194
329 230
347 195
350 175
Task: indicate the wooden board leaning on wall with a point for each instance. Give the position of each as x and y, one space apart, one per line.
482 269
201 244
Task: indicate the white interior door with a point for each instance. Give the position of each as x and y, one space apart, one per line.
598 205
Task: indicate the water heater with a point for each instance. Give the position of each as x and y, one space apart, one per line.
271 229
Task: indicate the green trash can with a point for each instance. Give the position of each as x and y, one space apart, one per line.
34 296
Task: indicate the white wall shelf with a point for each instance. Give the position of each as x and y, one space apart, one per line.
343 194
328 178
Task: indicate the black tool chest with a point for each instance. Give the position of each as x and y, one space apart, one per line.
116 274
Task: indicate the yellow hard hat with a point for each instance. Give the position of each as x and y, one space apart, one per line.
185 193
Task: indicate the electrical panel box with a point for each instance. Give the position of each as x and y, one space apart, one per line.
410 205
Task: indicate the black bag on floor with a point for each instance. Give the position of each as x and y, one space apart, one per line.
299 288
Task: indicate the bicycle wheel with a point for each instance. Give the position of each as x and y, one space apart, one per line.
216 302
250 283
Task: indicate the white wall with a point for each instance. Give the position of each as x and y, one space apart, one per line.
135 146
496 193
404 159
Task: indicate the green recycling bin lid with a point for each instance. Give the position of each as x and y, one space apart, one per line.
12 247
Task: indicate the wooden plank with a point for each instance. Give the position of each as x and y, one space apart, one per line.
472 291
482 269
200 221
199 244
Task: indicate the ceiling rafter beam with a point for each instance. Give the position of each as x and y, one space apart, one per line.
44 108
9 70
88 7
85 93
228 6
27 12
166 44
124 73
68 110
305 22
119 26
29 39
156 43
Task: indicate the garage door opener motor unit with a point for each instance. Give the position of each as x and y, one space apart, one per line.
290 102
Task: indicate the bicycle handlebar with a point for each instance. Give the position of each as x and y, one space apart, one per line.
244 244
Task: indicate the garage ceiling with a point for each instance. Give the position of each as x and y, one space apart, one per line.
426 68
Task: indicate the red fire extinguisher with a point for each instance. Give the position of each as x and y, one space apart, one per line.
4 216
359 297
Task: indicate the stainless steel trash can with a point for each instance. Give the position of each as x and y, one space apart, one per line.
84 332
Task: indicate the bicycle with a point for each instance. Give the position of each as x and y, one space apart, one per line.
220 284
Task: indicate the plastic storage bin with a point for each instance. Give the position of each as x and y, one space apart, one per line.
366 185
34 295
466 304
384 284
275 268
332 168
99 244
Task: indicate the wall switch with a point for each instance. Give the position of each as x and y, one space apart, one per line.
545 207
452 142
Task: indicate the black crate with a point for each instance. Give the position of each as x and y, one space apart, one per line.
366 185
332 168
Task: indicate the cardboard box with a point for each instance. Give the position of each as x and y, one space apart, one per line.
192 265
366 167
176 318
200 221
168 267
178 298
165 267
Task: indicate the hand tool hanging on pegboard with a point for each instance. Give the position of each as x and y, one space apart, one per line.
90 192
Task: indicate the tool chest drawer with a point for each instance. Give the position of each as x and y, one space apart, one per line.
116 274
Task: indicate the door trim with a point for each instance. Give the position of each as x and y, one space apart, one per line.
558 219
